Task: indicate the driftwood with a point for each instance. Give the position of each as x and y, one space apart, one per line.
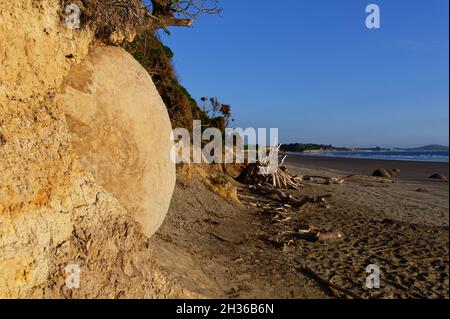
269 172
279 179
326 180
265 172
339 181
313 235
286 198
273 179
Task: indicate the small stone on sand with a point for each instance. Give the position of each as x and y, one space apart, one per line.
439 177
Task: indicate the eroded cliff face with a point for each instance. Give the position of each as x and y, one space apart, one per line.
52 210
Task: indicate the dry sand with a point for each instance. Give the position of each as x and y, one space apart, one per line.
223 249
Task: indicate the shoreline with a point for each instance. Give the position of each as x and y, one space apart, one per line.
408 169
321 154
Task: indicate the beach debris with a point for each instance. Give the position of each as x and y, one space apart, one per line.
382 173
265 172
246 196
422 190
286 220
308 235
313 234
395 171
362 179
290 200
325 180
339 181
326 236
439 177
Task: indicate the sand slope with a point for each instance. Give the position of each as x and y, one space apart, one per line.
221 249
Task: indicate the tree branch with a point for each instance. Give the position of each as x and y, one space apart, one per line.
162 14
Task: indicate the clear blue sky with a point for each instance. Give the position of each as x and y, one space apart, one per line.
312 69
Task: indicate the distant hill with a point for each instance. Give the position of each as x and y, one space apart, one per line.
433 147
299 147
310 147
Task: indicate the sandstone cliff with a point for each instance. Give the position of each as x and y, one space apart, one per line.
53 211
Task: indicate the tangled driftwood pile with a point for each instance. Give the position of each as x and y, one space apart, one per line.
279 179
269 172
269 177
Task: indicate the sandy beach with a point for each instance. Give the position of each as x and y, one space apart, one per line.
122 139
219 248
410 170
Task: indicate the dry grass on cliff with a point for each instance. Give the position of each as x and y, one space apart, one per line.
109 16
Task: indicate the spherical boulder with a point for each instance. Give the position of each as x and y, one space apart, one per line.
439 177
120 130
382 173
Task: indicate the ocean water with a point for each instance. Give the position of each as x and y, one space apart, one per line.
421 156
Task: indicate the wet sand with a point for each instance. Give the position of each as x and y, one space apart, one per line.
409 169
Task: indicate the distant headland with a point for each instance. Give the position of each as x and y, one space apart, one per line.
311 148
